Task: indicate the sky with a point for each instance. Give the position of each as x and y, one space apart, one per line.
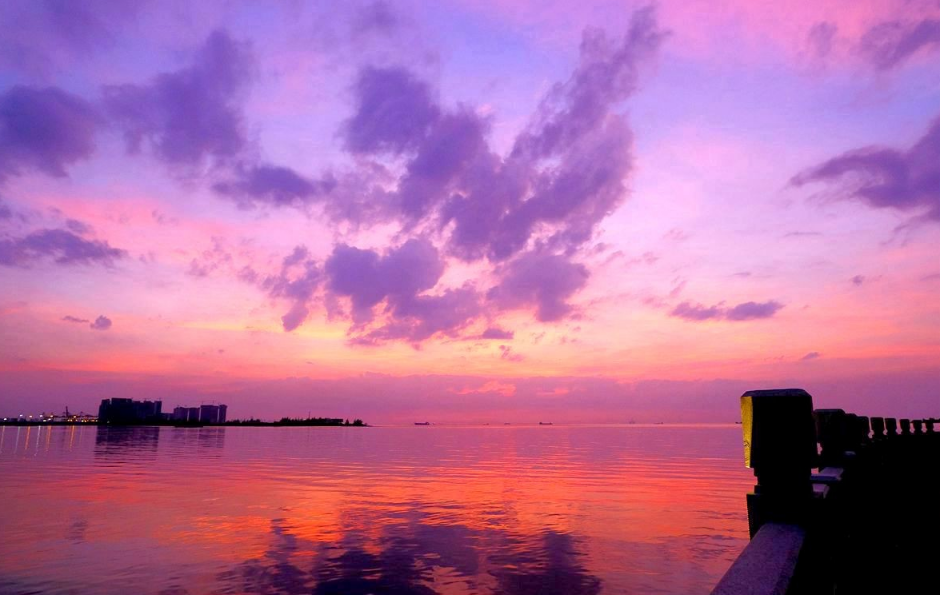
470 211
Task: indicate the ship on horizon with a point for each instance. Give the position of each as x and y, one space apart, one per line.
422 423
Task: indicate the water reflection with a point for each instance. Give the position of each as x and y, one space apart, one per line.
406 563
375 510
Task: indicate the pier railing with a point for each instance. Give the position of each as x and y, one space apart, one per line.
843 503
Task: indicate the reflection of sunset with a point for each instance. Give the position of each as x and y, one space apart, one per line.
458 505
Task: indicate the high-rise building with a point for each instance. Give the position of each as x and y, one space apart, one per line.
129 411
212 414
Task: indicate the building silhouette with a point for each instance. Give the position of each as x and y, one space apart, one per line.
129 411
212 414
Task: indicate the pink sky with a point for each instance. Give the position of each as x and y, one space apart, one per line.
470 211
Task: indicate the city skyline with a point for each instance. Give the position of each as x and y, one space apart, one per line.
470 211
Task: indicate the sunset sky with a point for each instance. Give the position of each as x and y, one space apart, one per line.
470 210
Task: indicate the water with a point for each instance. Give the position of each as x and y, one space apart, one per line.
417 510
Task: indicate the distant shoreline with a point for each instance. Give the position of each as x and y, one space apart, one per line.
170 424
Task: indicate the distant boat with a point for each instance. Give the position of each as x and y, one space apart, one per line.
545 423
658 423
422 423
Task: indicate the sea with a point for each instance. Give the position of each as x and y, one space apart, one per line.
520 509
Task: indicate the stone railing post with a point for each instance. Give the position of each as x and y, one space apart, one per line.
780 446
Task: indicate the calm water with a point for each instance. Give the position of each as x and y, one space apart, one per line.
422 510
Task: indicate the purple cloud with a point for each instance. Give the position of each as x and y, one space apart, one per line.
418 318
607 73
79 227
741 312
810 356
193 113
887 178
394 111
64 247
509 355
400 278
376 17
367 278
297 281
697 312
74 319
497 333
857 280
820 39
274 185
44 129
5 211
36 34
887 45
102 323
753 310
545 281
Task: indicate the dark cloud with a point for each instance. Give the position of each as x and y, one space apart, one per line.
210 259
887 178
297 282
102 323
810 356
565 172
64 247
191 114
820 39
74 319
857 280
497 333
545 281
418 318
36 35
375 17
741 312
273 185
697 312
890 44
607 73
77 226
394 111
5 211
44 129
753 310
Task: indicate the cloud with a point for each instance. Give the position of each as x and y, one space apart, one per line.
74 319
191 114
497 333
102 323
64 247
753 310
375 17
810 356
545 281
394 111
273 185
857 280
35 36
77 226
697 312
5 211
509 355
741 312
889 44
887 178
44 129
297 282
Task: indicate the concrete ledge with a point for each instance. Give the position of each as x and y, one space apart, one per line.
767 564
